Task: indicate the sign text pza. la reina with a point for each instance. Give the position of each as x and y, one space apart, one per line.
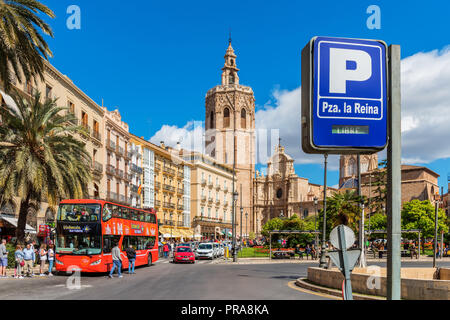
344 96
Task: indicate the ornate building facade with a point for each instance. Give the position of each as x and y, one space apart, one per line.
230 133
282 193
348 172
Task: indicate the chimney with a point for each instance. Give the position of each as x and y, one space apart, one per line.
162 145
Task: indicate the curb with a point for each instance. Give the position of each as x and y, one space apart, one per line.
302 283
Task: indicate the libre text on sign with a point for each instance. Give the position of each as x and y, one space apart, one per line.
344 96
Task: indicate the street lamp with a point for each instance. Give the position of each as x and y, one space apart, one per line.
246 224
323 253
316 202
235 197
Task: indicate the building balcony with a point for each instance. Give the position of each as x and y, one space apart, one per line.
110 170
225 189
119 151
110 145
180 175
112 196
180 191
225 203
97 136
217 202
157 167
169 188
134 188
180 207
210 199
127 155
217 187
203 198
136 169
157 203
169 205
169 171
157 185
203 182
119 173
97 167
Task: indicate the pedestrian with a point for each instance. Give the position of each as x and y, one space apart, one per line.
29 257
42 259
117 261
34 247
3 259
51 259
131 255
166 250
18 255
308 252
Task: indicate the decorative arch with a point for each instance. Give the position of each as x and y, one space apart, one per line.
243 118
226 117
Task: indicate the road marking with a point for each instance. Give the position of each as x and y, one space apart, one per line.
292 285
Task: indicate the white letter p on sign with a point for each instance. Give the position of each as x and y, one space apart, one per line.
340 73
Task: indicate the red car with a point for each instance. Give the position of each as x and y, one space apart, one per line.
183 254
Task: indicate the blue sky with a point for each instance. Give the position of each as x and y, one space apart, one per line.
155 60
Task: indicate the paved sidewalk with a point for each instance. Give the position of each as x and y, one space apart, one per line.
10 271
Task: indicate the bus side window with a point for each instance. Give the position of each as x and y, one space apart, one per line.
134 215
107 212
133 242
147 217
141 217
125 213
115 212
153 218
125 242
108 243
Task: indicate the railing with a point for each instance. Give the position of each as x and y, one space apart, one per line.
157 185
119 150
122 198
157 203
110 169
180 190
217 202
157 167
169 188
180 175
111 196
169 205
217 186
180 207
169 171
119 173
210 184
97 167
134 188
110 145
210 199
97 135
203 198
203 182
136 169
207 219
225 203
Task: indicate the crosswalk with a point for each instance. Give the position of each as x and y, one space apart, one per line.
162 261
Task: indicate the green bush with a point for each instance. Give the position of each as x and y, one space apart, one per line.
11 257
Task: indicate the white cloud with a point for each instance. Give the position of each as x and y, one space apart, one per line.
425 116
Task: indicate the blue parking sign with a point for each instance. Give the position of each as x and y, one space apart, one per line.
344 96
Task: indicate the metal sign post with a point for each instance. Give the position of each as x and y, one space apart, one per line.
394 185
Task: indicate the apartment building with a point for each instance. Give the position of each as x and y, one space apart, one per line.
88 113
166 187
211 196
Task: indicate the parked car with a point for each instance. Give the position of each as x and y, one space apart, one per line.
221 250
205 251
183 254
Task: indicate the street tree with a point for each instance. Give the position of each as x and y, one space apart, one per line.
22 46
44 160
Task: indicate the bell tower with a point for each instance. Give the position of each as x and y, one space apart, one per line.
230 133
348 166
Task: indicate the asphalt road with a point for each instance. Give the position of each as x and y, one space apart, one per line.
167 281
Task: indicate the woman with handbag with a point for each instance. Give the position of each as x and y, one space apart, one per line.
51 259
19 262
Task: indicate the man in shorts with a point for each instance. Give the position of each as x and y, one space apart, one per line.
3 259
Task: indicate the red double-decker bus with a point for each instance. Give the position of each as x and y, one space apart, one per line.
86 231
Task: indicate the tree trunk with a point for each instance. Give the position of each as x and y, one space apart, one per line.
22 221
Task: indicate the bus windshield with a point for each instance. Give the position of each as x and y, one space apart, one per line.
79 212
78 244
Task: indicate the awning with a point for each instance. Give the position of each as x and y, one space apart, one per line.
13 221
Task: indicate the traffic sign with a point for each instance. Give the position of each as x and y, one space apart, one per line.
344 96
349 237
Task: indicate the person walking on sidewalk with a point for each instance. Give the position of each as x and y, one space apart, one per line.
117 261
42 259
166 250
131 255
3 259
51 259
18 254
29 257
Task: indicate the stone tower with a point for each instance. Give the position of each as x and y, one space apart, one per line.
230 135
348 166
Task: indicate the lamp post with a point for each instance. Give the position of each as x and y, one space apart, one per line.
242 213
323 254
235 196
316 202
246 224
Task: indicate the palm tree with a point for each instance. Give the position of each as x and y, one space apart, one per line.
41 160
21 44
344 208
